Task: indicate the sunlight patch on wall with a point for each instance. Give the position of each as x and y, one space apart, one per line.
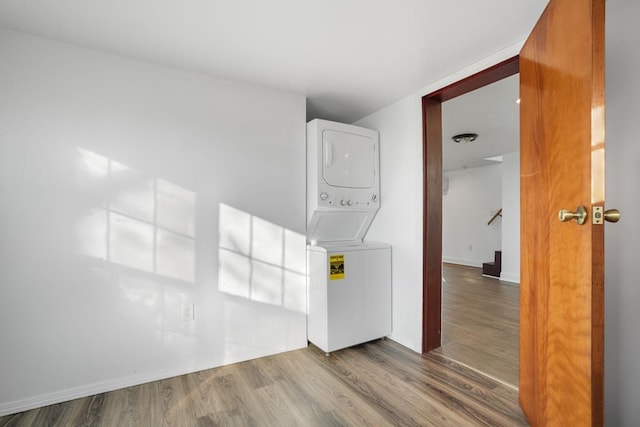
132 193
137 221
260 260
92 232
130 242
176 208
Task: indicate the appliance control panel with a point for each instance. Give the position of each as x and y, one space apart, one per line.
347 198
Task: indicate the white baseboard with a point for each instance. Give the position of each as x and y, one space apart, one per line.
88 390
462 261
414 345
27 404
510 277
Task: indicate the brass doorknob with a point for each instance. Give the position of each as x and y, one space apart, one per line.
612 215
580 215
600 215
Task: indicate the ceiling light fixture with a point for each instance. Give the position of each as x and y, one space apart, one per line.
465 138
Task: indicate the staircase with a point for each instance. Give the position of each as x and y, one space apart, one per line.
493 269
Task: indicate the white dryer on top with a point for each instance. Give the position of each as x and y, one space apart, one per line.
343 181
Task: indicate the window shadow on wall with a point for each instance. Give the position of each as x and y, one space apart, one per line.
137 221
261 261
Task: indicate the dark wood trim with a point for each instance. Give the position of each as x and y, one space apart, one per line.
485 77
432 198
432 229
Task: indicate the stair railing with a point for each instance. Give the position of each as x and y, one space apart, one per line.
495 215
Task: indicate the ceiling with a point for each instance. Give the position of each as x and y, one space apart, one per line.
493 113
348 57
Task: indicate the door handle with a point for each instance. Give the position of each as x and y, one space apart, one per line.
610 215
580 215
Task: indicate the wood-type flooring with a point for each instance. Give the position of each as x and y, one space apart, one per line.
380 383
480 322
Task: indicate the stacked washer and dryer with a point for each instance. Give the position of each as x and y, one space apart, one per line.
349 280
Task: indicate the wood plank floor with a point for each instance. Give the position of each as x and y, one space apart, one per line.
375 384
481 322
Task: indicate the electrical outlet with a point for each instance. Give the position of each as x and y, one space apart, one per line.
189 311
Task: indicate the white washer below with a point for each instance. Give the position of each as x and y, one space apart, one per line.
351 305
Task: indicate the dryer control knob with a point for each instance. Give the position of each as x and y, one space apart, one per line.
324 196
349 202
342 202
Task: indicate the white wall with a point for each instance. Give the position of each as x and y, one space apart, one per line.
399 220
511 217
474 196
129 191
622 266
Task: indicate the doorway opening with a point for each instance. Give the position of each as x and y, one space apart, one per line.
433 192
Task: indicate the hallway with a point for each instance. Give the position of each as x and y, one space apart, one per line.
480 322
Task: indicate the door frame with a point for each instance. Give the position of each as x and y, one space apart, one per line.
432 192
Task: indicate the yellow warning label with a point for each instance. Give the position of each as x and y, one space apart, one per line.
336 267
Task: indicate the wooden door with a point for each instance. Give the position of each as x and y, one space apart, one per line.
562 167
